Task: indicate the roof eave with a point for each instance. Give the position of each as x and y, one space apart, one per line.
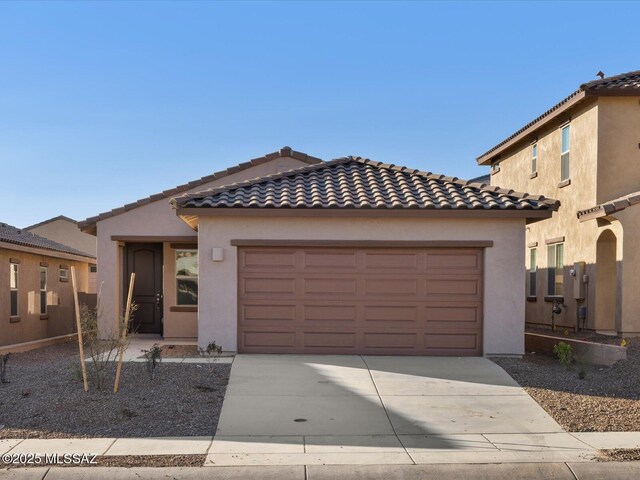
485 159
191 215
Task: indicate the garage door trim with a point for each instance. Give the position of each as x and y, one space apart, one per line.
363 243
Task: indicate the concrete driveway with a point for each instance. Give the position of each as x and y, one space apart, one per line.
308 409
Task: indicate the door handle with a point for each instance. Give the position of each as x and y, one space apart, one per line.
158 299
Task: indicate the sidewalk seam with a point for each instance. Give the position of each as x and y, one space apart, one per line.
109 447
571 470
384 407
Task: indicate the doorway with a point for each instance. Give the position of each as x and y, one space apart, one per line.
145 259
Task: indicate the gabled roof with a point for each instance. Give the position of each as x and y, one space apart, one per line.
359 183
89 225
607 208
51 220
25 238
625 84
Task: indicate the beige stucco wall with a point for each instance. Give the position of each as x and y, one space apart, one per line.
515 169
158 219
618 152
59 319
66 232
503 278
604 160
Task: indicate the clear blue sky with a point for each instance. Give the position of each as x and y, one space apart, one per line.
104 103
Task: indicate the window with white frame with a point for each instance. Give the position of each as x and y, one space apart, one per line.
555 269
533 272
187 277
43 290
565 155
534 158
64 273
13 289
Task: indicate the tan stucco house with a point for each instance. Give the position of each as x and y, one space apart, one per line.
65 230
37 304
290 254
583 151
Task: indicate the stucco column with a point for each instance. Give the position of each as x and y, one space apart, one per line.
109 274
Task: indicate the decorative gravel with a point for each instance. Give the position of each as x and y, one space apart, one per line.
620 455
607 400
45 399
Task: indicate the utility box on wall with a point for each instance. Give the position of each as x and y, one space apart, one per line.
578 280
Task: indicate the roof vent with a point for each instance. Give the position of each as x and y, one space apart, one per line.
600 74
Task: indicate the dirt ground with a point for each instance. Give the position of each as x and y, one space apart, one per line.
606 400
45 399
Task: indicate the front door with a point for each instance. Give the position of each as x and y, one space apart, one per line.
145 259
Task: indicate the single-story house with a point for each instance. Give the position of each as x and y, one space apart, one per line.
35 283
290 254
65 230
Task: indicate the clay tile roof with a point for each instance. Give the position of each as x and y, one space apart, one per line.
607 208
89 225
354 182
623 84
25 238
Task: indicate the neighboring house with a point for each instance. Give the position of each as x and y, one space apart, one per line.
35 284
65 230
584 151
346 256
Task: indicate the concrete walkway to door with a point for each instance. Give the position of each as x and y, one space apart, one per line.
317 409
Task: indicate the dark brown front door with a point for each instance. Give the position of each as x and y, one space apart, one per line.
145 259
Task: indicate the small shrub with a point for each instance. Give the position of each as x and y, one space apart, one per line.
3 367
564 352
154 357
582 368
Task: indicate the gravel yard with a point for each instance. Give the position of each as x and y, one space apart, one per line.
607 400
44 398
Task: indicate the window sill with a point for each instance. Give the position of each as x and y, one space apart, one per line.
532 299
554 298
564 183
14 319
184 308
44 316
533 175
64 280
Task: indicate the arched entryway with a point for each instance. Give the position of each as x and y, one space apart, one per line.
606 282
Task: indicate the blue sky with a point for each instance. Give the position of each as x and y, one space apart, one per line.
104 103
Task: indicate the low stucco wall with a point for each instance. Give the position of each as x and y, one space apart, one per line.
504 274
592 353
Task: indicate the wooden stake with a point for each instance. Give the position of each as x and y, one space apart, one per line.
123 338
79 325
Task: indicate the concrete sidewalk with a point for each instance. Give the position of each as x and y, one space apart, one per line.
556 471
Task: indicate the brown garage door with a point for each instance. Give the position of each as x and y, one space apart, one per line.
395 301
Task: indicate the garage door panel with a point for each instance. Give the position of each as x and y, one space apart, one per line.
275 260
454 262
257 338
329 339
329 313
389 260
269 313
388 286
391 314
349 301
323 260
330 286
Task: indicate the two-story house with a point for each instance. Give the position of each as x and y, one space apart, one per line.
585 152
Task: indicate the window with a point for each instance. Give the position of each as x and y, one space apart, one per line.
533 270
495 167
564 158
187 276
555 262
43 290
64 274
534 158
93 268
13 288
